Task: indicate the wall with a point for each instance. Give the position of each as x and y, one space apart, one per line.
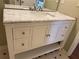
70 8
6 1
51 4
2 31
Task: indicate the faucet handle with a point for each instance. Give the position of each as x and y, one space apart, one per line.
31 8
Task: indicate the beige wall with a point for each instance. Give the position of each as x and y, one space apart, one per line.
6 1
51 4
2 32
70 8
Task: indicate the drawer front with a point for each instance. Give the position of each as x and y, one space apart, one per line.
21 45
21 32
22 39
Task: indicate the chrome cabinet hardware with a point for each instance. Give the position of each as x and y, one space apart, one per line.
47 35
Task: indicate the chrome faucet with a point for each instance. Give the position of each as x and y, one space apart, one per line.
33 8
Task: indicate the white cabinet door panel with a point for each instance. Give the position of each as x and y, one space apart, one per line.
38 37
53 30
63 31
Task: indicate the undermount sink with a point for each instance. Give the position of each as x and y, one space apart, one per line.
50 14
40 13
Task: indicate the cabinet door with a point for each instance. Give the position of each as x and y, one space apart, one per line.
22 37
58 30
53 30
64 30
39 34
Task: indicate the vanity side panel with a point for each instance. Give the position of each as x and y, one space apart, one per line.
8 29
68 33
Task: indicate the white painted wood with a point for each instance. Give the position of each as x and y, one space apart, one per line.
38 35
22 39
64 28
8 29
37 52
54 32
70 25
59 30
21 32
74 45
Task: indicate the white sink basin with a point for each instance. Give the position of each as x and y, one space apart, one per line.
41 14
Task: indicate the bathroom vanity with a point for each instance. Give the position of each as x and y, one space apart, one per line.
33 33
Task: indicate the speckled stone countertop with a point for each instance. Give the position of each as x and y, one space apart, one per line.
17 15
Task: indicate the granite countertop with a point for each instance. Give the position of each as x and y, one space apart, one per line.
13 15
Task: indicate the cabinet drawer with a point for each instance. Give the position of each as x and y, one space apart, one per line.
22 39
21 32
21 45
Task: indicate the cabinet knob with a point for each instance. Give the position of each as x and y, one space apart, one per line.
47 35
23 33
66 27
22 44
62 35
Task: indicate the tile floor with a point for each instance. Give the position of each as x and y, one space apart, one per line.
52 55
4 52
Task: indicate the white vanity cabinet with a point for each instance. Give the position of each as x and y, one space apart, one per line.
28 37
